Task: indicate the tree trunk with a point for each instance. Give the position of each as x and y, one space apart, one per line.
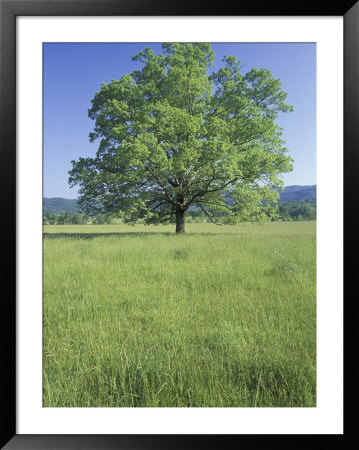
180 220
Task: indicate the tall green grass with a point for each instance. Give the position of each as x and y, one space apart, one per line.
218 317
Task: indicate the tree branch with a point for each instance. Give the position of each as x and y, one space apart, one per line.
209 216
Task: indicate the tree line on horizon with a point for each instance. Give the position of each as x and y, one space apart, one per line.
69 218
287 211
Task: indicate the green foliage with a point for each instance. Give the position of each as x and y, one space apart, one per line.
173 136
50 219
76 219
302 210
85 219
66 218
100 219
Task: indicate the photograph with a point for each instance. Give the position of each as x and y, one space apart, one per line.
179 225
179 182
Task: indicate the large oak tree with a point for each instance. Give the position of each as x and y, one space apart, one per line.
174 135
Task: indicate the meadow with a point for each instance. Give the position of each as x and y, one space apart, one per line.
223 316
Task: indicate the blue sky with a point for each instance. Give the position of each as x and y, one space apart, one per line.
74 72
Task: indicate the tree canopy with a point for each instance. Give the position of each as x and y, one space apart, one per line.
178 134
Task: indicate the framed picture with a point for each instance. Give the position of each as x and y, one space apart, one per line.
34 35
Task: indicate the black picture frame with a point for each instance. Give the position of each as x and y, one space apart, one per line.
9 10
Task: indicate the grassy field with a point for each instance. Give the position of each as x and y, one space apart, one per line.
218 317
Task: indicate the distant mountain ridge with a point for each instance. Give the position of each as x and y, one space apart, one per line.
294 193
57 205
298 193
